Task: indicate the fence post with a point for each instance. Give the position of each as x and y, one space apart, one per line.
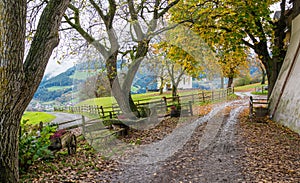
212 95
223 93
203 96
191 108
83 125
251 107
102 111
165 101
110 115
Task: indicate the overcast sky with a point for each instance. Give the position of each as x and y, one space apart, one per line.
54 68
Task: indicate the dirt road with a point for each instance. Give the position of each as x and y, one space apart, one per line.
63 117
202 151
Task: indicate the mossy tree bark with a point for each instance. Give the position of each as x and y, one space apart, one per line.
19 80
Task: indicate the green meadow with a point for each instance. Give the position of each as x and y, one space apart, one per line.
37 117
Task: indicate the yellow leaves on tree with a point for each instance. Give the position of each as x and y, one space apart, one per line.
232 62
186 48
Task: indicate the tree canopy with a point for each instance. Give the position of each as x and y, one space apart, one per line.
241 23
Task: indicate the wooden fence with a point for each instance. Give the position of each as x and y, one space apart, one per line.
160 105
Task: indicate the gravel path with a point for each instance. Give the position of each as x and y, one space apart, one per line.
202 151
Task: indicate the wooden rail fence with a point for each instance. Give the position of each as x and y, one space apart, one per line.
161 105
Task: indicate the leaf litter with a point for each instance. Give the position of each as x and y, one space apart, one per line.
265 151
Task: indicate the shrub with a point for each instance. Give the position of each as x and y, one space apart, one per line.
33 147
242 81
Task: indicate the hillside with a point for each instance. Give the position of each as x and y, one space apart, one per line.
57 86
62 88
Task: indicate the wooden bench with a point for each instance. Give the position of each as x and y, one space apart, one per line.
258 108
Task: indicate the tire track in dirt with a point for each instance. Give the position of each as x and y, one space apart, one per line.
189 154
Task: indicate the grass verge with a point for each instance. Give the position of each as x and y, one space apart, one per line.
36 117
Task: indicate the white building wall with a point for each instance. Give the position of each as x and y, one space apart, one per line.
288 104
186 82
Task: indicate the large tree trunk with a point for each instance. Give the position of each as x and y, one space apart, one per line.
12 28
174 91
122 96
272 74
121 92
279 51
273 65
19 81
161 87
263 74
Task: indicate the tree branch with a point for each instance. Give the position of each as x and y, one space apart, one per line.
101 48
248 44
134 18
44 41
165 10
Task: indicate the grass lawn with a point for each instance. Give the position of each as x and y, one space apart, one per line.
248 87
108 101
36 117
264 92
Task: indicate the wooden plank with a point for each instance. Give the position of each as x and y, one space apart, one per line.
95 127
71 121
260 102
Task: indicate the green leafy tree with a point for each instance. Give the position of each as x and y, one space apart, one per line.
184 52
177 63
232 62
242 23
19 75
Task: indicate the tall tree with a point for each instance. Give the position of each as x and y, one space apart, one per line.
137 22
178 63
232 62
245 22
19 79
183 47
154 65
